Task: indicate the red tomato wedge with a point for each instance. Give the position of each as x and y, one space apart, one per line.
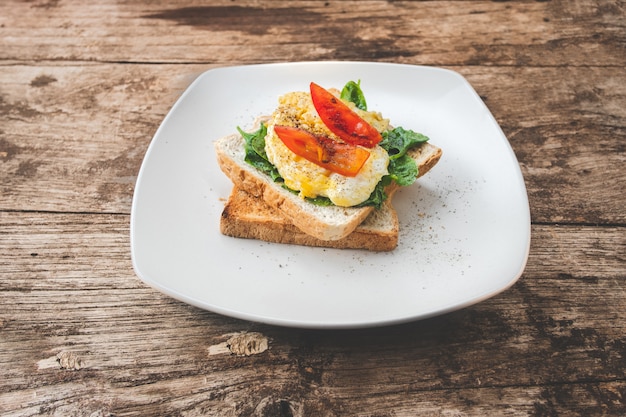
330 154
342 120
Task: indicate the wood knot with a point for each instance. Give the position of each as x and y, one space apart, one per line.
42 81
69 360
272 407
246 344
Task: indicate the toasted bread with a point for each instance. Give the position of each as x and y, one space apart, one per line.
321 222
246 216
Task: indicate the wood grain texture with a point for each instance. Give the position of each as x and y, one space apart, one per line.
105 114
555 340
85 85
445 33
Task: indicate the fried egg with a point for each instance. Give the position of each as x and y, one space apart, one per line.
296 109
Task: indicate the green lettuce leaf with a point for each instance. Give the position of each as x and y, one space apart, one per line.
255 152
352 92
397 142
378 196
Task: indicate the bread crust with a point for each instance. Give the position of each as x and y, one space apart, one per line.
246 216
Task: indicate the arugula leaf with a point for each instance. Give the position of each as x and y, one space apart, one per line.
352 92
255 152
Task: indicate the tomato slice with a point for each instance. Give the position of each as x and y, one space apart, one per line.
330 154
342 120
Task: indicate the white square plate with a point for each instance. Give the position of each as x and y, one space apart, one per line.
464 227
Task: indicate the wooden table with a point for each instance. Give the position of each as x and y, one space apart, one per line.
85 85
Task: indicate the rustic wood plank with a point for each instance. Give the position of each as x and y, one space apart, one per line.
569 140
80 132
445 33
567 128
83 87
83 333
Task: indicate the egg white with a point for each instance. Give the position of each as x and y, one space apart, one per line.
296 109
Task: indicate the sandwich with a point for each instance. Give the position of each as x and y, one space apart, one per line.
313 171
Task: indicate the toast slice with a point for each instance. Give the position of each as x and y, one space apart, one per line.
324 223
246 216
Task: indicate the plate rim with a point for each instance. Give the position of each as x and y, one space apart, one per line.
313 324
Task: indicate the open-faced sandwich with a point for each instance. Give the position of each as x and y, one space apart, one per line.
313 171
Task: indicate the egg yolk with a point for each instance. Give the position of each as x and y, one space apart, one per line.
296 109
